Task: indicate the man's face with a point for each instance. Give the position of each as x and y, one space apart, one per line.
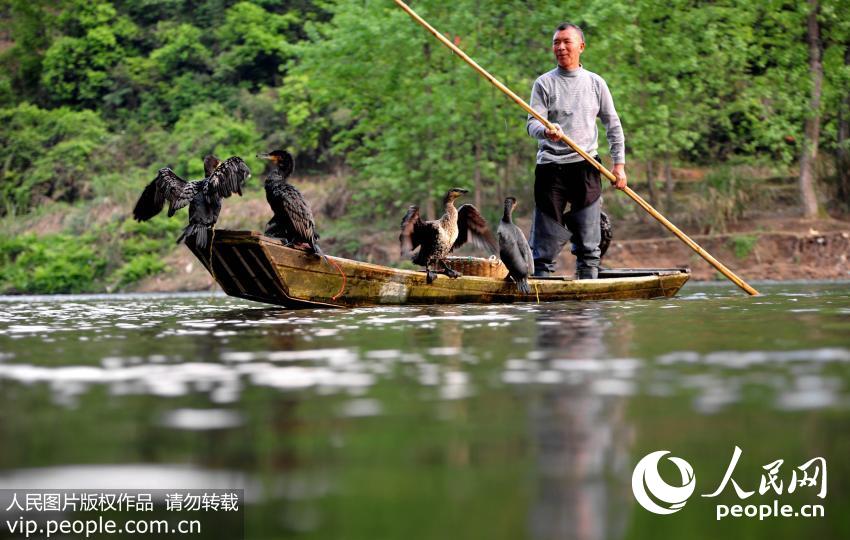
567 46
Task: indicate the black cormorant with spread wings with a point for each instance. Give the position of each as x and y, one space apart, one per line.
293 220
437 238
514 249
222 179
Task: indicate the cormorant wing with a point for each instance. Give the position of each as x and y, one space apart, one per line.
527 254
514 249
472 227
167 186
227 178
295 208
414 232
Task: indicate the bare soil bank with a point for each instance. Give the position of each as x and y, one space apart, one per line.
774 255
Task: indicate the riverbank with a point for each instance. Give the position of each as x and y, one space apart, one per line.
806 249
96 247
774 249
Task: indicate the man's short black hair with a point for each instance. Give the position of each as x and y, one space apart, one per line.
566 25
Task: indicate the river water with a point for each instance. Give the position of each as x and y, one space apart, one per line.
453 422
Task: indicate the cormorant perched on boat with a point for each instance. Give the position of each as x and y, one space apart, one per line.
437 238
222 178
514 249
293 220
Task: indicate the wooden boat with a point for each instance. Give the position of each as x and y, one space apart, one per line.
249 265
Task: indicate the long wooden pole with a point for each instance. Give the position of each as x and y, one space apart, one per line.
605 172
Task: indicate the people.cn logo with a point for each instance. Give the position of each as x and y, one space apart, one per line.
647 479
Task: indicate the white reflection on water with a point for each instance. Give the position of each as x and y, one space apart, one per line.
123 477
744 359
202 419
219 347
361 407
297 485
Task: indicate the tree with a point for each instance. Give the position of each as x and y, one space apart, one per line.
835 132
76 68
50 154
254 44
28 27
812 132
410 119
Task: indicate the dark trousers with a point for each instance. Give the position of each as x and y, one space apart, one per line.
557 186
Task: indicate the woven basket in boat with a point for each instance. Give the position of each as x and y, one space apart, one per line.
476 266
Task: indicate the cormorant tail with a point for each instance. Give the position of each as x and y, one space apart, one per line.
198 232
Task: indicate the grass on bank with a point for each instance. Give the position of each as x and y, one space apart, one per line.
88 255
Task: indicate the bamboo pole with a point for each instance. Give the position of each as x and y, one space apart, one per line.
605 172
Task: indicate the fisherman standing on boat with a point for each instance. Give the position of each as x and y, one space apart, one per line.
571 98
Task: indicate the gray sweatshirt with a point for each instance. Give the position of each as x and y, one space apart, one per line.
574 99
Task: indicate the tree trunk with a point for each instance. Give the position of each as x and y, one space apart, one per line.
650 183
842 153
668 185
430 211
478 149
477 152
812 130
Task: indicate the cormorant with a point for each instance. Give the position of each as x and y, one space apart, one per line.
222 178
607 231
514 249
293 220
436 239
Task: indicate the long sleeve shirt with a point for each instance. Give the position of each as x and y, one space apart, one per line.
574 99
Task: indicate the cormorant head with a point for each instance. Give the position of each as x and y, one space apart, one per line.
211 163
281 159
454 193
510 204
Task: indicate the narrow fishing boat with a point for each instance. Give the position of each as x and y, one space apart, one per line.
249 265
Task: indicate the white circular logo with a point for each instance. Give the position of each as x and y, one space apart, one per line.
646 478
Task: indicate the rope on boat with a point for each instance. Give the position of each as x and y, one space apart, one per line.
537 293
341 289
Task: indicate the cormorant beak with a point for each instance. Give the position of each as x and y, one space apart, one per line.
265 156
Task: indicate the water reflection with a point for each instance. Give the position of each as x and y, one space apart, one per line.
581 433
533 413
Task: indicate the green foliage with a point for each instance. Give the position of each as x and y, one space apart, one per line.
725 195
208 128
743 245
182 49
48 154
158 228
96 95
109 255
76 66
50 264
420 121
254 44
139 267
20 65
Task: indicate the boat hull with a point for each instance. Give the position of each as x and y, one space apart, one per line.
250 265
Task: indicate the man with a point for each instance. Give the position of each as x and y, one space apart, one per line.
571 98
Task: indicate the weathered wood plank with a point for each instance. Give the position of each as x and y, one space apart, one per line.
304 279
